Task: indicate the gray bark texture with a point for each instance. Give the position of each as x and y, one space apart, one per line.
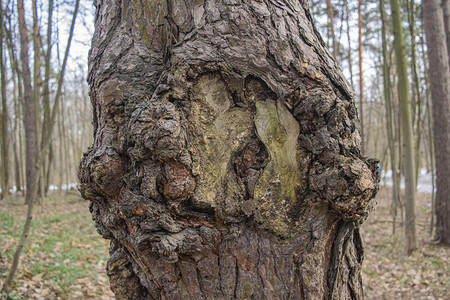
440 95
226 162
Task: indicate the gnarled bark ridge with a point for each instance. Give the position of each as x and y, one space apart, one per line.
226 161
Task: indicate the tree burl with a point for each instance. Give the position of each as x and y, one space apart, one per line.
226 162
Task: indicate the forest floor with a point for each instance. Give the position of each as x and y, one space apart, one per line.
66 258
388 273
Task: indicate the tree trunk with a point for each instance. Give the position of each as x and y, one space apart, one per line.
387 92
430 137
349 55
60 151
28 103
4 114
446 10
406 129
417 118
361 78
440 95
17 145
65 163
226 162
330 12
46 97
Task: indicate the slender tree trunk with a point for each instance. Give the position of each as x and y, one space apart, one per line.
389 119
49 174
417 118
361 78
406 129
229 166
349 53
66 160
4 114
440 95
330 11
430 134
397 135
432 164
18 107
37 84
15 127
28 103
37 80
60 152
46 98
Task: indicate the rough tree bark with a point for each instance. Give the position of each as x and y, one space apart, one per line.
440 95
226 162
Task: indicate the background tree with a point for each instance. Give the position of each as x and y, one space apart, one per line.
330 11
226 146
4 113
387 90
439 73
406 126
349 53
361 77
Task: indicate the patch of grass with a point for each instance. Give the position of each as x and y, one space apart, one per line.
68 249
11 296
6 220
395 238
436 261
63 255
423 210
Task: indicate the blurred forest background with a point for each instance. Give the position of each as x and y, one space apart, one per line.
45 98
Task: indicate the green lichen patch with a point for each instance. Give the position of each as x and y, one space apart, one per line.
275 191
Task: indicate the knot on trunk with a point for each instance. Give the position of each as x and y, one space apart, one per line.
101 173
176 183
156 131
348 188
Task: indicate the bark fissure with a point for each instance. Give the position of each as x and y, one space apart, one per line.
236 283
